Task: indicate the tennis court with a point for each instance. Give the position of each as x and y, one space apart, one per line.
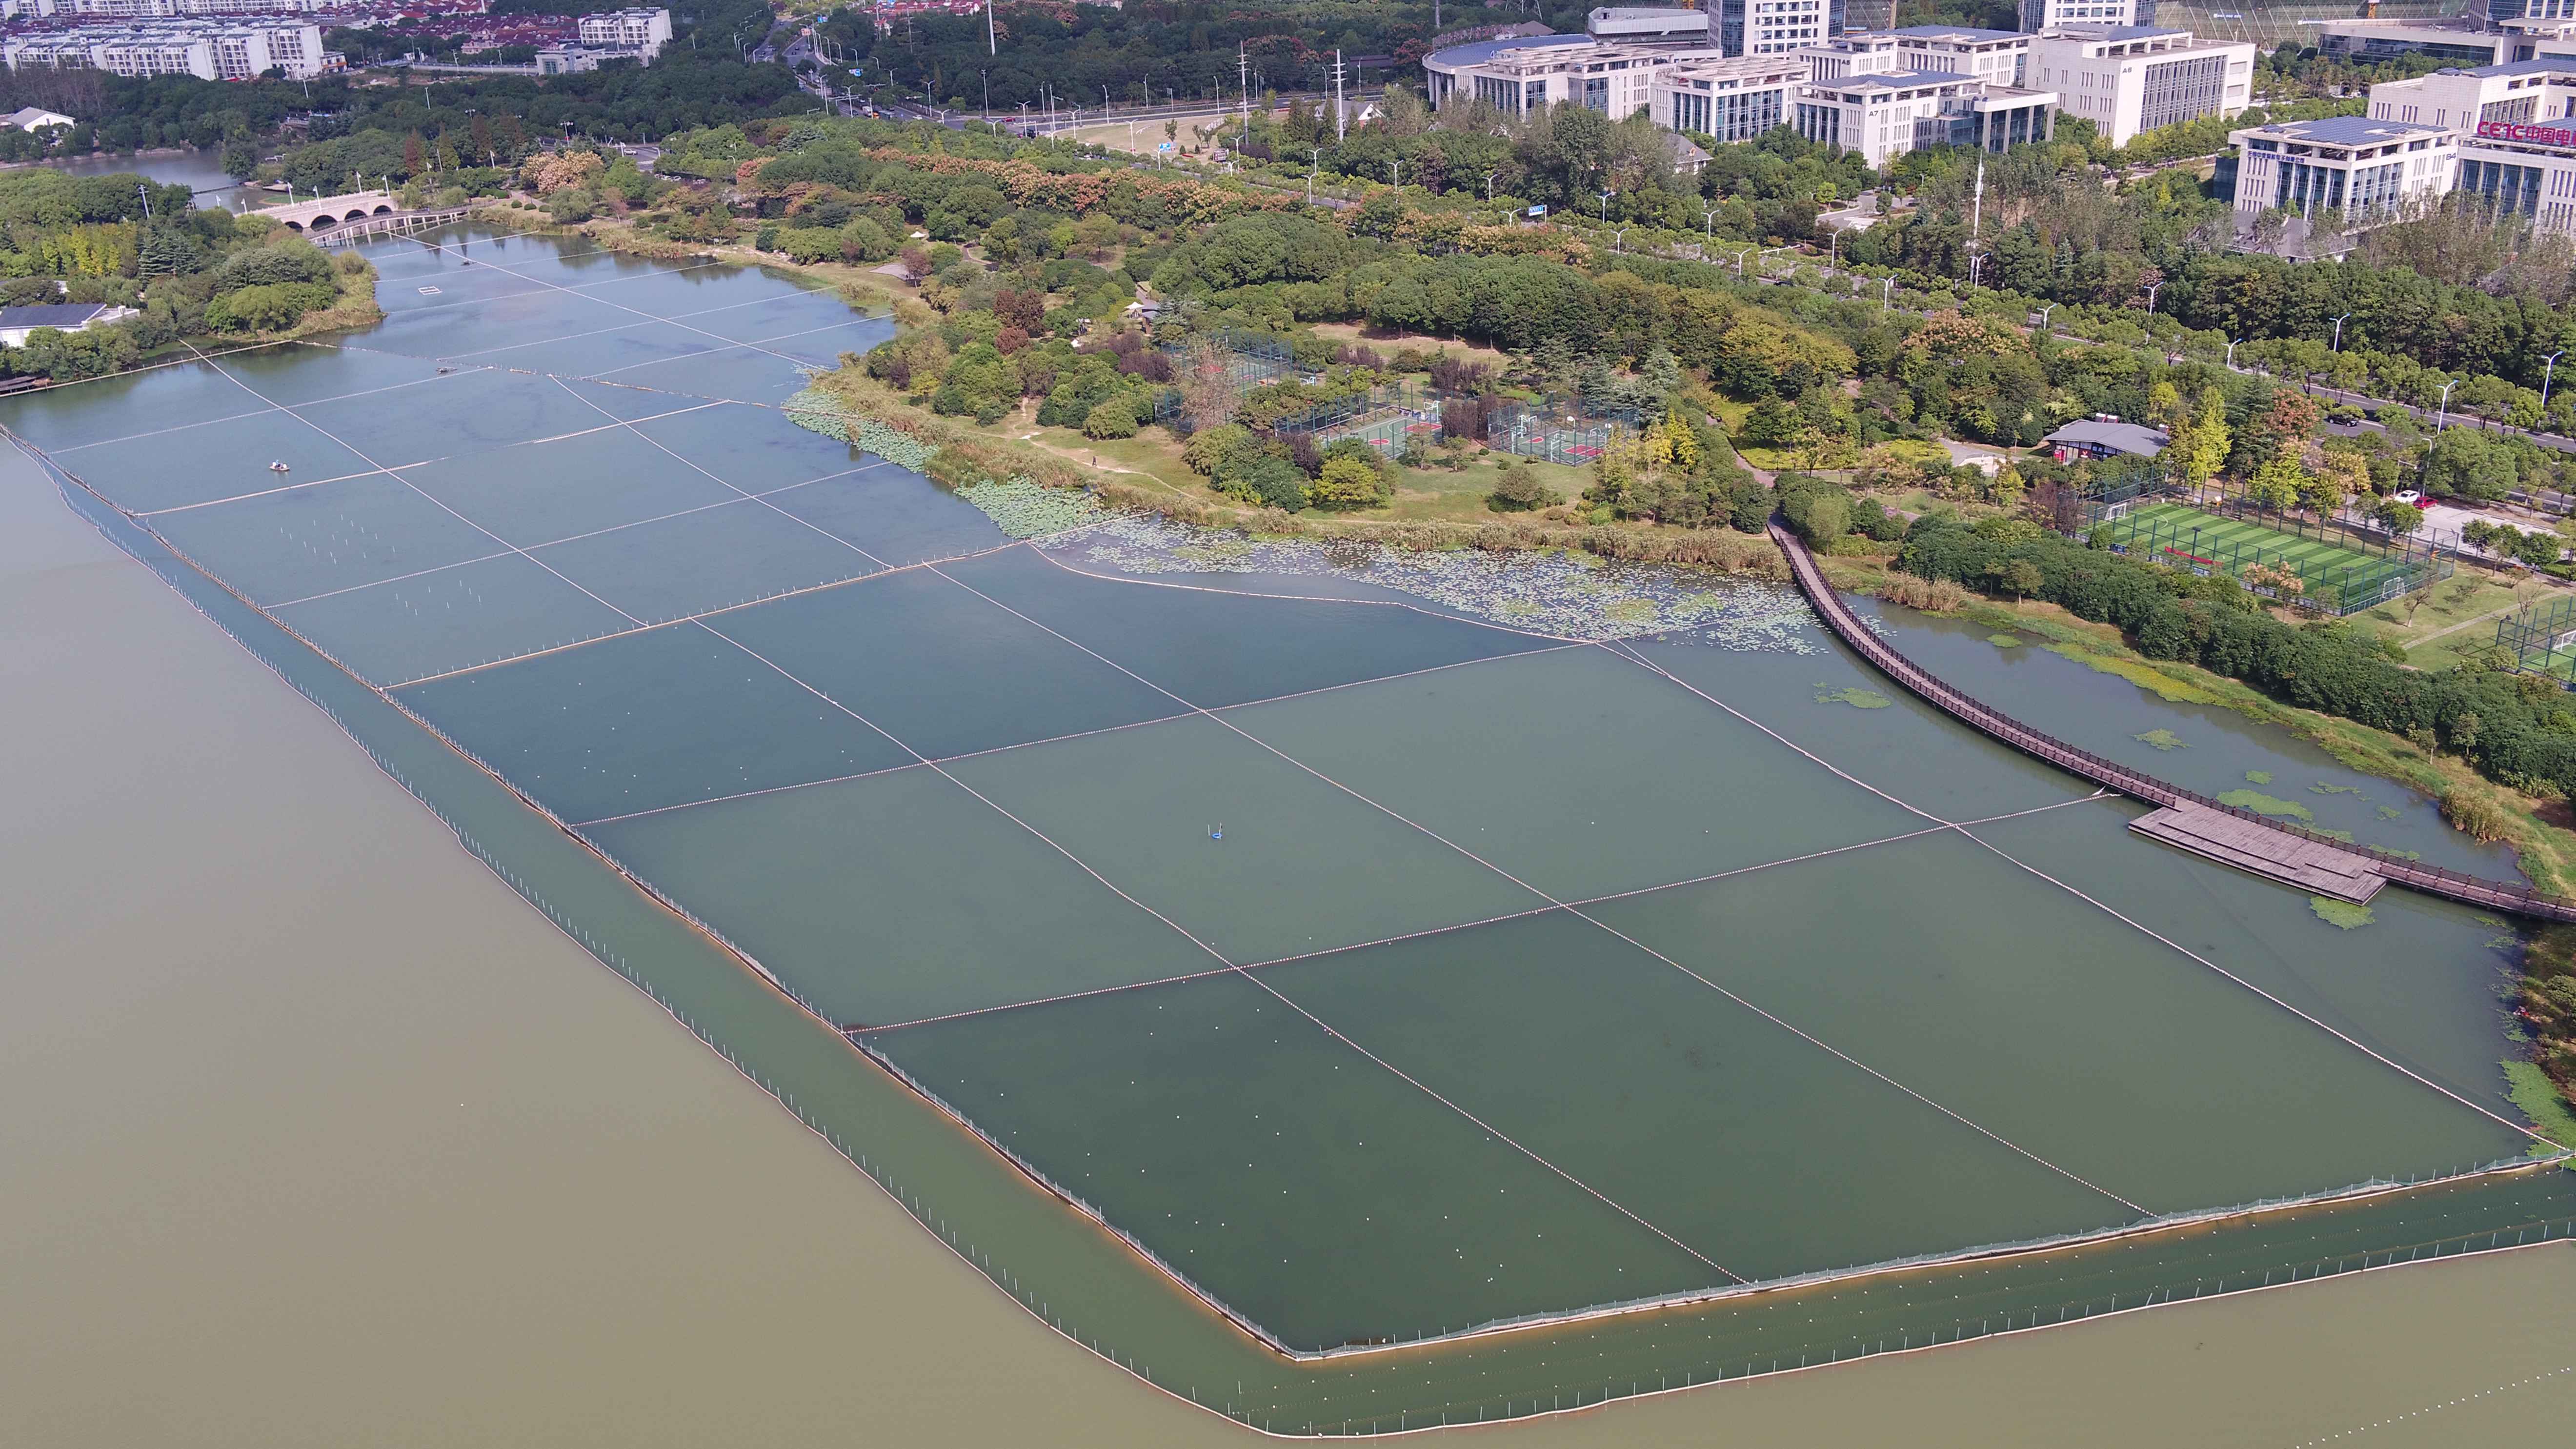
1379 973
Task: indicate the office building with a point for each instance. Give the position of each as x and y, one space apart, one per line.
1772 27
2513 127
2131 79
2367 169
1884 115
1519 76
2039 15
1648 25
1733 99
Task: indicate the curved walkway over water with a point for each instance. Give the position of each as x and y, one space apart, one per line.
2292 861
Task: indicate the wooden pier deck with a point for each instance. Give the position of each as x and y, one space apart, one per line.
2300 859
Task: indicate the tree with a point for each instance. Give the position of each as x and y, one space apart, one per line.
2200 447
2398 518
2018 577
2279 484
2463 463
1347 482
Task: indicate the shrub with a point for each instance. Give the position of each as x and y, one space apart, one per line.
1273 482
1518 490
1113 417
1749 505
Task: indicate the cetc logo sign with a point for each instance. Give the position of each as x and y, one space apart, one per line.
2535 135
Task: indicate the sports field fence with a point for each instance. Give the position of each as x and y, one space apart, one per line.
2342 569
2543 639
1552 431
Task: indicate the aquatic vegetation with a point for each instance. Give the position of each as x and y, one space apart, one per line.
2324 788
2004 641
2262 804
2137 672
1023 509
1566 594
1853 695
2342 915
2389 812
2258 777
2538 1098
2162 739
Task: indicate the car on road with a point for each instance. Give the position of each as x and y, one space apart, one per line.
2409 495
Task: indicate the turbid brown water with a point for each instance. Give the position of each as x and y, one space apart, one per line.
317 1134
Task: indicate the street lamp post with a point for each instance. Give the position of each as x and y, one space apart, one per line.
1489 184
2548 368
2231 352
1395 173
2442 418
1886 290
1605 206
2338 335
2043 317
1619 240
2152 289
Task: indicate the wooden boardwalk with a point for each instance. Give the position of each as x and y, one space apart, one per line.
2301 859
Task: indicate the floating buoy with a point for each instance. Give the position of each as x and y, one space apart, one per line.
277 467
1216 832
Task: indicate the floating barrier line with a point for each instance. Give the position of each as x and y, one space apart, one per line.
698 617
1416 935
1029 1303
1055 739
1185 933
1543 895
551 542
443 508
1896 666
745 494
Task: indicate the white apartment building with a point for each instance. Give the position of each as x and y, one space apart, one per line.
2514 126
2039 15
1734 99
1520 76
206 49
2129 79
1884 115
157 9
2367 168
1772 27
642 31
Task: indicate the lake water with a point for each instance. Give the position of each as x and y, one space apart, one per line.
1379 971
338 1141
200 171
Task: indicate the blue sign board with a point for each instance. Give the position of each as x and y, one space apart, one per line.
1536 211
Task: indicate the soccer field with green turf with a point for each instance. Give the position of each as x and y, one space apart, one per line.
2187 535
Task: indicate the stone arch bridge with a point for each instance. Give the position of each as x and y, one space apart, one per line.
316 216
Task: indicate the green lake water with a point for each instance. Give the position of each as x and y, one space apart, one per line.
1380 971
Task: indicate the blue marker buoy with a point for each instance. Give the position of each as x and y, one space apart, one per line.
1218 833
